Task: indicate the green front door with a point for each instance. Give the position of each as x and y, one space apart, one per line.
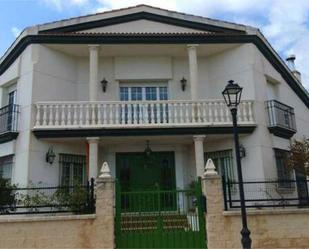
137 172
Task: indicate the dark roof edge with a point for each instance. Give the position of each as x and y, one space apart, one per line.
159 39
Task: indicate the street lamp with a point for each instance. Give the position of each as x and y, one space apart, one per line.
232 95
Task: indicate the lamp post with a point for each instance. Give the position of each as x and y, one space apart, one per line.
232 95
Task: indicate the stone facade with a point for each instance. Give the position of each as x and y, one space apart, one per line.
270 228
74 231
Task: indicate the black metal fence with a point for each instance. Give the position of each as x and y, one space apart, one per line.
77 199
271 193
9 118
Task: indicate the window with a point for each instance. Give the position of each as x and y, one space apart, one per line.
12 97
272 90
282 172
73 169
6 164
223 161
138 92
134 93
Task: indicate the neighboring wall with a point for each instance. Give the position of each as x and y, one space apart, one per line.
270 228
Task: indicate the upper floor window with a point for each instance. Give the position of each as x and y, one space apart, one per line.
6 164
140 92
272 90
73 169
9 110
223 161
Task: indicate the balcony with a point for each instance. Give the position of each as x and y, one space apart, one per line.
8 122
139 115
281 119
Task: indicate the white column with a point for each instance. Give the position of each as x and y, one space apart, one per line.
199 154
193 69
93 156
93 71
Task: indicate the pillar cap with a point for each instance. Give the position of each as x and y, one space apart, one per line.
105 171
199 137
93 139
93 46
210 169
192 45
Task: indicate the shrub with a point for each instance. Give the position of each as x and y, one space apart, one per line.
7 196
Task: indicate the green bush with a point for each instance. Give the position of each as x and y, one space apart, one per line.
7 196
74 198
32 198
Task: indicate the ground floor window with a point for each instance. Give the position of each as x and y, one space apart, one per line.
72 169
223 161
284 175
6 164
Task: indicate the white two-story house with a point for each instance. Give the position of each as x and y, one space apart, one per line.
141 88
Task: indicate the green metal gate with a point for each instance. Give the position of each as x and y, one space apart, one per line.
160 218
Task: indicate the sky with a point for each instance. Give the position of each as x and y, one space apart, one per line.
284 23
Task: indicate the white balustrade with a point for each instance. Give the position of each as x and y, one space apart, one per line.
121 114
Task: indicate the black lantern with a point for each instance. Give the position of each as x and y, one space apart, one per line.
104 84
147 150
183 83
232 94
50 156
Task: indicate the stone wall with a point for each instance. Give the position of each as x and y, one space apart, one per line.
270 228
69 231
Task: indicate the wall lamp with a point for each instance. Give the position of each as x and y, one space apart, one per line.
242 151
104 84
183 83
50 156
147 150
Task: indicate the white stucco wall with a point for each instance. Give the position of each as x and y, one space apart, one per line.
142 26
43 74
21 73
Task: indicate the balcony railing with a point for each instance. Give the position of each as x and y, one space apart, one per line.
9 118
280 117
130 114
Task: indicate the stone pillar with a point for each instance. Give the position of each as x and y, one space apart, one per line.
193 69
93 72
199 154
93 156
212 189
105 196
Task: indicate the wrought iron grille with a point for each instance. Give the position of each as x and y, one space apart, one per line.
280 115
9 118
